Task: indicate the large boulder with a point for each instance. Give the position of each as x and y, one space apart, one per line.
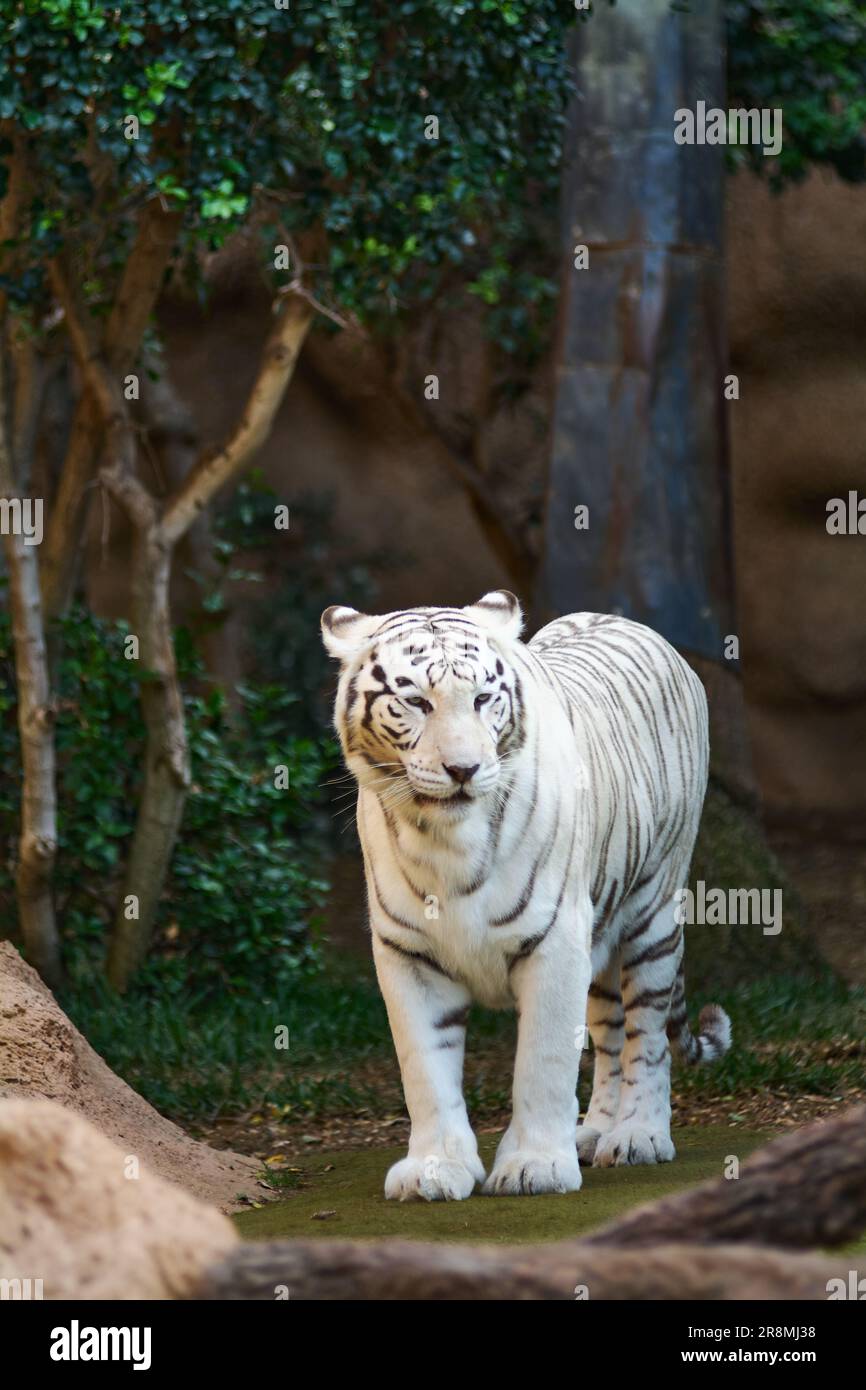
42 1055
87 1219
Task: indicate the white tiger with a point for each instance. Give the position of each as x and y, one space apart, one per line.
527 814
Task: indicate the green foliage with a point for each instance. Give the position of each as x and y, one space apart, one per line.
809 58
242 888
314 115
243 884
199 1057
793 1035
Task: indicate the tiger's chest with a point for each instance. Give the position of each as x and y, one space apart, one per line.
475 904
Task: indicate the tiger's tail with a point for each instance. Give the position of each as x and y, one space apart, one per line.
714 1028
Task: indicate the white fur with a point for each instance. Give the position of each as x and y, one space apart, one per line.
422 857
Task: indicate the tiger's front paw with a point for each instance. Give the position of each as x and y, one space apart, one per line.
527 1173
435 1178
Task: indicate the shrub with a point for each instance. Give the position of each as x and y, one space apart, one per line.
243 888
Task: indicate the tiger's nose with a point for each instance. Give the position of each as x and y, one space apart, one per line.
461 774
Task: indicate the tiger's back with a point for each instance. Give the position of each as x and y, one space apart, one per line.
639 715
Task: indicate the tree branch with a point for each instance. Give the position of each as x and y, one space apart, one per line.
137 293
101 384
400 1270
211 472
382 381
30 378
140 284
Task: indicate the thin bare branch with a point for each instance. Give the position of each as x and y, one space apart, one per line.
212 472
103 386
140 284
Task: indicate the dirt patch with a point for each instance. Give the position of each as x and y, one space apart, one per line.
42 1055
270 1131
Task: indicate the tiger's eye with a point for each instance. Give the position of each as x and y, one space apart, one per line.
418 702
482 700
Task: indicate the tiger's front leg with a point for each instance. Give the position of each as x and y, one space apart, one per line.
538 1152
427 1012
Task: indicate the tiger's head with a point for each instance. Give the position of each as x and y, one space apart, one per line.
429 702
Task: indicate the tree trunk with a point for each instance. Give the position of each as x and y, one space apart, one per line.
172 433
166 771
136 297
640 422
65 534
804 1190
157 530
38 843
38 840
403 1270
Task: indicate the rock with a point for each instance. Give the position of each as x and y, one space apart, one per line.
87 1218
42 1054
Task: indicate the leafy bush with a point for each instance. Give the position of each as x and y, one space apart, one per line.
242 889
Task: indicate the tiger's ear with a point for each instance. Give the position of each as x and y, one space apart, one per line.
499 613
345 631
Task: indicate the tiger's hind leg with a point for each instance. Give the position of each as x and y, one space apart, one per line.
606 1022
650 955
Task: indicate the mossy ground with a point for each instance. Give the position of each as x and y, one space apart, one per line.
339 1196
349 1185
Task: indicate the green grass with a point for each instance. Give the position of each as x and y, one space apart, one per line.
791 1034
796 1027
197 1061
202 1059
